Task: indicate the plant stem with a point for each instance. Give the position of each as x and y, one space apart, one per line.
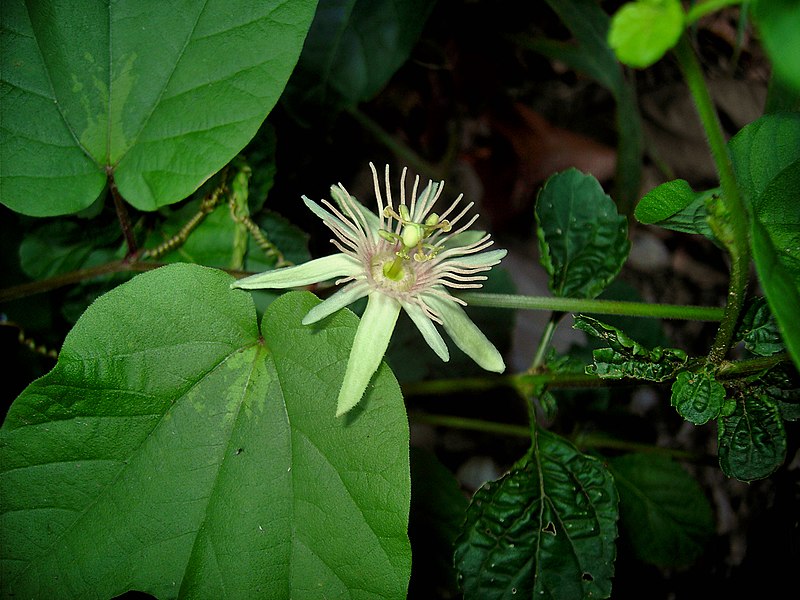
521 382
544 342
604 307
124 219
733 204
701 9
46 285
471 424
750 366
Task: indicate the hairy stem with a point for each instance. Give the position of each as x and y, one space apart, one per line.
733 203
124 219
603 307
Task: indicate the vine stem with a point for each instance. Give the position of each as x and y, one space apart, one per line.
604 307
732 201
122 216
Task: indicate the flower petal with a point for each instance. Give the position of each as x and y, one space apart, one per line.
321 269
369 346
466 334
482 259
347 295
428 330
329 218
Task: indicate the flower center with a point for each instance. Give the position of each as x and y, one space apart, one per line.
393 273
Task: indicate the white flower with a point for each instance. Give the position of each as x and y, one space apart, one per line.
406 256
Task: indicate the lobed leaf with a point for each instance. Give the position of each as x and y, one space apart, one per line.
174 450
663 510
583 241
157 97
546 529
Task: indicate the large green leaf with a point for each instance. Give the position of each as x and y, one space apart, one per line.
353 48
157 95
547 529
663 511
176 451
583 242
766 155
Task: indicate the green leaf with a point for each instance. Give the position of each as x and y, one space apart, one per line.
353 49
766 156
663 511
159 96
626 357
643 31
778 23
583 241
759 329
546 529
697 397
752 440
674 205
174 450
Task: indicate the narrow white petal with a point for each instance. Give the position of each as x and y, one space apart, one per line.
466 334
347 295
329 218
321 269
369 346
482 259
428 330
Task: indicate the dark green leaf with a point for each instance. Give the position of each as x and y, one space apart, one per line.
546 529
752 440
766 155
642 31
583 241
626 357
176 450
352 50
663 511
697 397
759 330
437 512
158 96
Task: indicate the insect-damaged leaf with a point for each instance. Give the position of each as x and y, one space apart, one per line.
626 357
546 529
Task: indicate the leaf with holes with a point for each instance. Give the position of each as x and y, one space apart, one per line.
546 529
176 450
157 96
